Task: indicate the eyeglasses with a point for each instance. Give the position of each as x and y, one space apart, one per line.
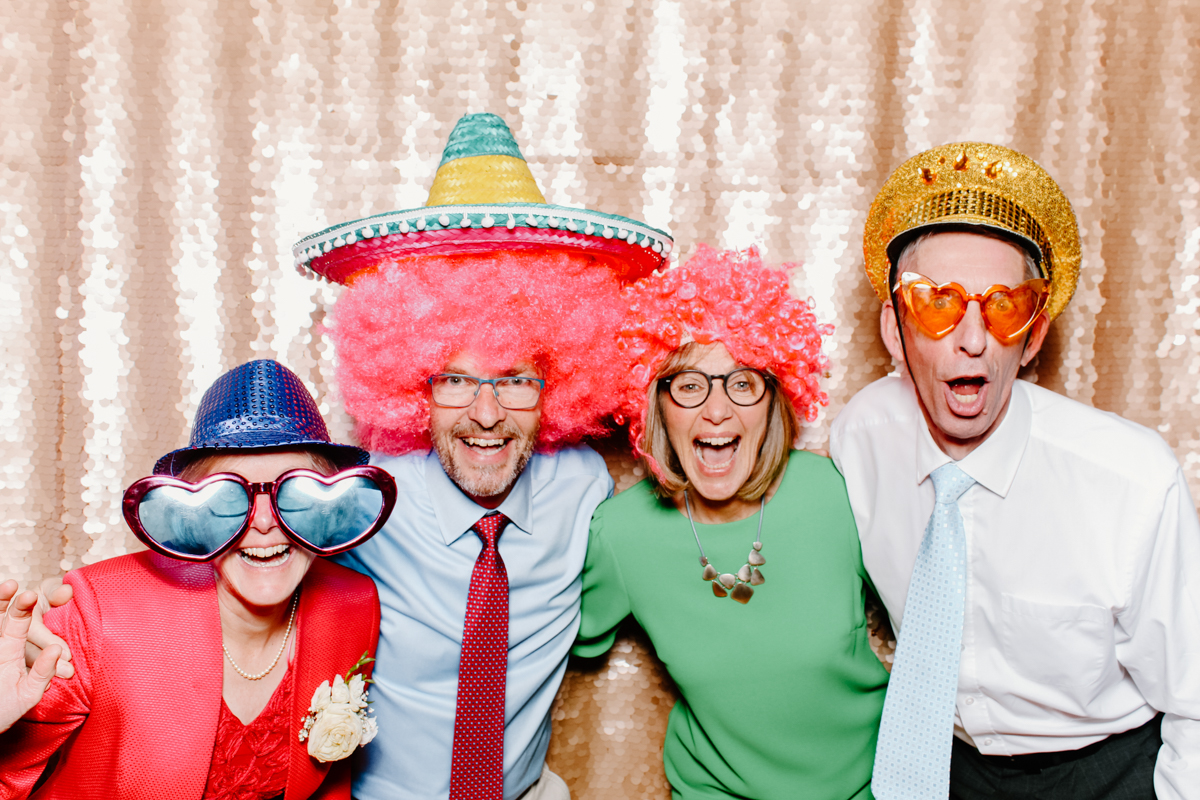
459 391
200 521
1007 313
691 388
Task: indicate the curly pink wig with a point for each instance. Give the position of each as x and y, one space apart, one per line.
401 322
728 297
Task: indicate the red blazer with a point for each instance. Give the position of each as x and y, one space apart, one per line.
139 719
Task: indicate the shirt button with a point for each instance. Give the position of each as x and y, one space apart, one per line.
970 701
987 742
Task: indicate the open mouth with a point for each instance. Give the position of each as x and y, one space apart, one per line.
481 445
716 452
274 556
967 390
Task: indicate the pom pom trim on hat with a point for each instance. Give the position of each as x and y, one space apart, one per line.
332 253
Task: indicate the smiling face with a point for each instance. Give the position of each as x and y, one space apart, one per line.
717 443
964 379
484 447
265 567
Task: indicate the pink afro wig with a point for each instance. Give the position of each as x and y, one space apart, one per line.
402 321
728 297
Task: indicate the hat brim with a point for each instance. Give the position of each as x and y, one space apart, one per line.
900 241
342 455
632 249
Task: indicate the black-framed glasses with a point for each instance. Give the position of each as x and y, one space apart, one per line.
516 393
200 521
690 388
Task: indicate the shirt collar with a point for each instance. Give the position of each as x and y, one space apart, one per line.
994 463
456 512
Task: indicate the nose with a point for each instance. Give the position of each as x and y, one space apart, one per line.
718 407
971 331
485 409
262 518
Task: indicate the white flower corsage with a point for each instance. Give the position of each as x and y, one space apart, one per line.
337 720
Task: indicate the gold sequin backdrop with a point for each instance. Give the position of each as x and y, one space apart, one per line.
159 158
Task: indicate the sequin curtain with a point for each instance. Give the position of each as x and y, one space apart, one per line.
159 158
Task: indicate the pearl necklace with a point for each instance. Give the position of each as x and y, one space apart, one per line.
266 671
741 586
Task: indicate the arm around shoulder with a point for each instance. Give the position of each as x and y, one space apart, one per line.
20 688
26 748
605 603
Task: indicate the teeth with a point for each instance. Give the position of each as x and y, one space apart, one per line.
264 552
965 399
484 442
717 441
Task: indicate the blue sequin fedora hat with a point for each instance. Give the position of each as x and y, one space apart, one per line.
259 405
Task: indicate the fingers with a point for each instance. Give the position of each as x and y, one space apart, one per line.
54 593
61 595
39 675
49 590
22 607
14 626
7 590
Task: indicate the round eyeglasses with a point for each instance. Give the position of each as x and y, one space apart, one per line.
691 388
516 393
200 521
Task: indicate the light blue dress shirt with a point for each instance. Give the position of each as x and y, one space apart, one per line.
422 562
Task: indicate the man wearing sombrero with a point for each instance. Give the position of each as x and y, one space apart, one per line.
475 344
1039 557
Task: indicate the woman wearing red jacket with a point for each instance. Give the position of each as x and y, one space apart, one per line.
218 664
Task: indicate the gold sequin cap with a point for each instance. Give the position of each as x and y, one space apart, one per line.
969 183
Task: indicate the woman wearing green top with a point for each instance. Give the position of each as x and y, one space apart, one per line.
781 694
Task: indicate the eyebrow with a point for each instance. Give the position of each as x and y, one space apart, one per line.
524 372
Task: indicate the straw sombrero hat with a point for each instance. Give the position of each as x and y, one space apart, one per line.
483 199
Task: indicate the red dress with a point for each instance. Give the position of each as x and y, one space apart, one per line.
139 720
250 761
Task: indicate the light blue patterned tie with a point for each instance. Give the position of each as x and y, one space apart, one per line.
912 760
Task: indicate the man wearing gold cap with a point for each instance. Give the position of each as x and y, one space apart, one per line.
1037 556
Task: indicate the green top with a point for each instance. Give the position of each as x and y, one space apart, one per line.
781 697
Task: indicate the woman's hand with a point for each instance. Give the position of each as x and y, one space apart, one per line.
53 593
20 689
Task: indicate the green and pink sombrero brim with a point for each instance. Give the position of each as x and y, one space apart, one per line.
484 199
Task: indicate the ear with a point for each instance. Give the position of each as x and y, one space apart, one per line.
1037 335
891 333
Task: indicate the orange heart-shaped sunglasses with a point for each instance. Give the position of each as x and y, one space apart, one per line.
1007 312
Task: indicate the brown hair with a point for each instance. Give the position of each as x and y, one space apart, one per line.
772 456
202 465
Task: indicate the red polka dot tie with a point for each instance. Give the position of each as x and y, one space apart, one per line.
477 764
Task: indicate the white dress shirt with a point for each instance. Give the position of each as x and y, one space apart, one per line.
1082 614
422 562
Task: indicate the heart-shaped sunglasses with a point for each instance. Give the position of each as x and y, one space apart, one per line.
938 308
200 521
